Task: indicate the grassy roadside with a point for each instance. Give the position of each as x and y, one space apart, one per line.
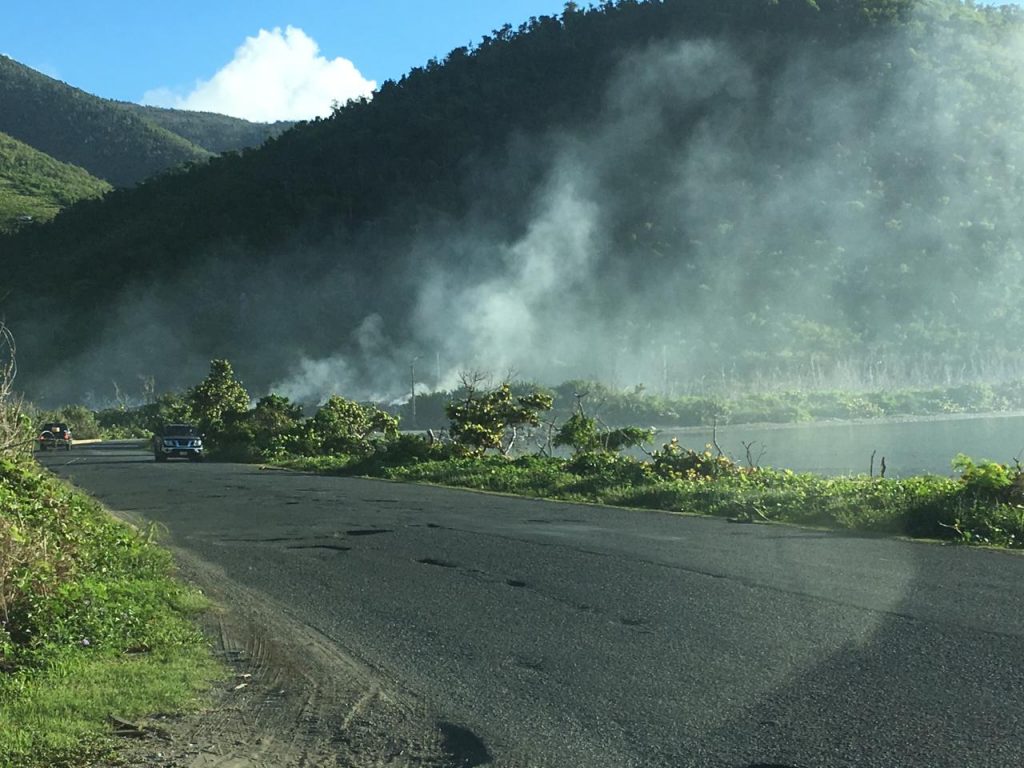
92 625
983 506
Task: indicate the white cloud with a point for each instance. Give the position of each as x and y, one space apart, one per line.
276 75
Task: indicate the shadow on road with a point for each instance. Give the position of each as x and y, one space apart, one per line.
463 747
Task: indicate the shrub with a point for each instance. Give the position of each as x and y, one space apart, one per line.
581 433
403 450
674 462
262 433
601 470
986 481
344 427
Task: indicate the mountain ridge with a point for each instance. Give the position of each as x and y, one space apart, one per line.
120 142
78 128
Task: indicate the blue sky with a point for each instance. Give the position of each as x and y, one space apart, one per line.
163 52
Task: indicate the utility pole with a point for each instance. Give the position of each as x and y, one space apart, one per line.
412 387
664 370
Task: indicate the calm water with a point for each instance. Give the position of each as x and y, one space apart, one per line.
910 447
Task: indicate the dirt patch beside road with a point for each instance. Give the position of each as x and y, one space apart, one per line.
293 699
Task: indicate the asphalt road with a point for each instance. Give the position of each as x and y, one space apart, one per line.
569 635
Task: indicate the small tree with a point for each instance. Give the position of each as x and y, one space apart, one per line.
218 398
491 419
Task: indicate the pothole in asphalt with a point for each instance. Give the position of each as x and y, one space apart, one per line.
532 664
366 532
515 583
274 540
632 621
439 563
332 547
462 747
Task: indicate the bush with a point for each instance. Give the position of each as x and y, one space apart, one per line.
346 427
986 481
581 433
401 451
267 431
599 470
674 462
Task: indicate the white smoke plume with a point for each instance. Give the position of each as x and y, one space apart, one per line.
713 228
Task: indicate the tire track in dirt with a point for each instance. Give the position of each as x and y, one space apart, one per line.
293 699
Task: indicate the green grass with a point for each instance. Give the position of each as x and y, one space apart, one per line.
93 625
59 716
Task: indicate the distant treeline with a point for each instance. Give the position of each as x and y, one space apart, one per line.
635 407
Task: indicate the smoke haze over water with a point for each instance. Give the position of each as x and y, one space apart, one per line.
737 217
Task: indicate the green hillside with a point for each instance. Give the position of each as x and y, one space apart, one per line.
213 132
687 195
110 142
37 186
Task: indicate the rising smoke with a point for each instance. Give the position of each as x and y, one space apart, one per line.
738 217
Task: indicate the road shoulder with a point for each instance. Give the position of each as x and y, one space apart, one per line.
293 699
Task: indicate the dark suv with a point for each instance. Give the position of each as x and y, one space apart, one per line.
54 434
181 440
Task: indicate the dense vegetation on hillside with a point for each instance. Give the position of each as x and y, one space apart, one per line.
686 194
78 128
213 132
35 185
